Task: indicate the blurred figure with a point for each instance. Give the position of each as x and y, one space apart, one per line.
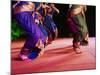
49 22
40 12
77 24
23 11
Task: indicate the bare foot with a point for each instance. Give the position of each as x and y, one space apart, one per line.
23 57
77 50
41 53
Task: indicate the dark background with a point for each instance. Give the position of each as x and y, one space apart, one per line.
60 21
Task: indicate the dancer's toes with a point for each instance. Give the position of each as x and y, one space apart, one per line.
23 57
41 53
77 50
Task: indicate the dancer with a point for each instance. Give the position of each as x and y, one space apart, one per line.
49 22
34 44
41 12
42 9
39 21
77 23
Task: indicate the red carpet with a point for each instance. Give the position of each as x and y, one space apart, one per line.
58 56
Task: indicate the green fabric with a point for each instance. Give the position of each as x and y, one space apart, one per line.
16 31
82 27
81 23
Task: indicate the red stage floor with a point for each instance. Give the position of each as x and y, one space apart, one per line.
58 56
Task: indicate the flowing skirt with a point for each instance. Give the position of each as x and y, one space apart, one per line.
36 39
50 25
78 26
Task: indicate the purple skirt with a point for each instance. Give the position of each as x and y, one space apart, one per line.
25 20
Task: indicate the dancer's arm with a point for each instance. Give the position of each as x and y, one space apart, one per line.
38 8
54 8
15 4
45 6
77 10
30 6
84 10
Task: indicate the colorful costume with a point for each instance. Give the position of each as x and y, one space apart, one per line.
42 12
50 25
77 24
36 39
38 17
